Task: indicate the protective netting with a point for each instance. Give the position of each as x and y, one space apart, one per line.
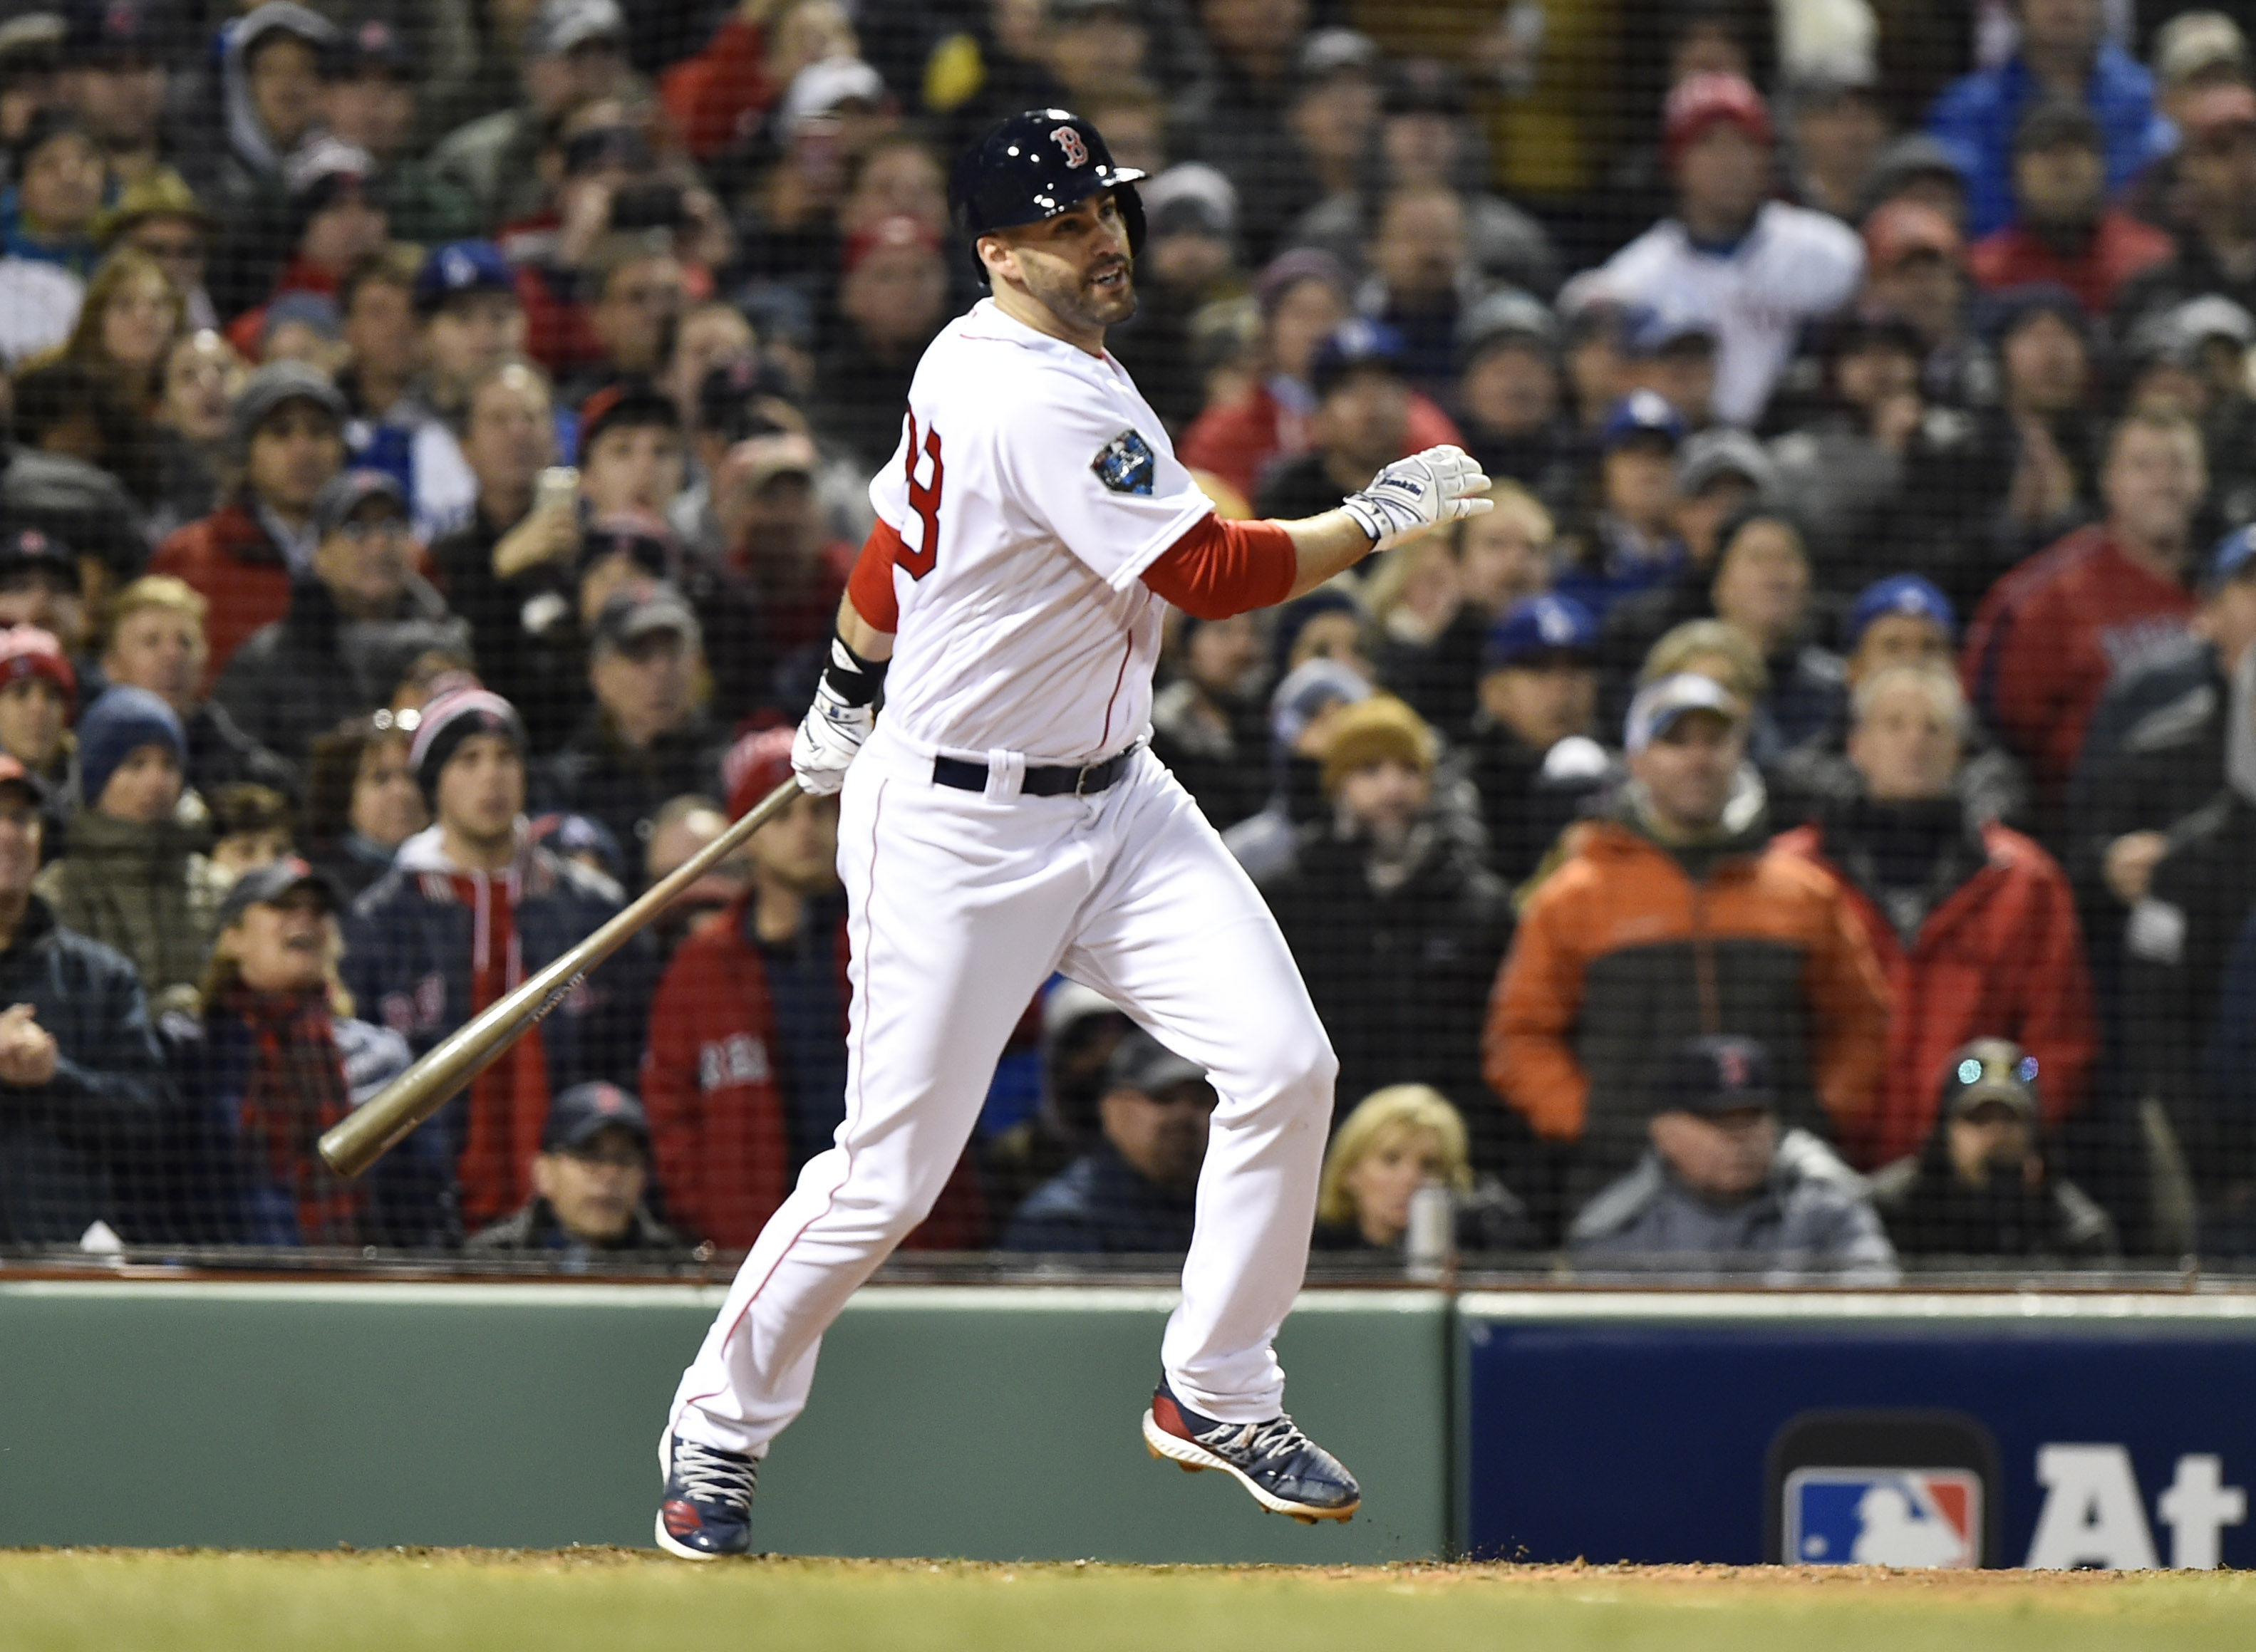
1805 828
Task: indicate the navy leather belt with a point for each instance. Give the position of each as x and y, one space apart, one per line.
1060 782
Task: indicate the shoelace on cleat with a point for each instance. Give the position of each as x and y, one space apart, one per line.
707 1475
1256 1441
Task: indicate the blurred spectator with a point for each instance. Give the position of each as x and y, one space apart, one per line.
40 585
2215 234
1673 356
269 1059
1983 1186
2155 752
508 569
1418 285
585 842
1974 925
781 542
683 828
1134 1192
2040 651
1333 116
1752 269
160 216
1304 303
1395 1142
637 291
1632 545
286 434
1720 474
1079 1030
467 912
1532 759
1924 171
202 374
1396 925
718 97
589 1182
270 100
1729 932
1210 726
361 801
135 877
2062 229
2062 52
572 51
1762 590
39 691
80 1070
298 326
833 112
1507 396
372 84
157 643
711 339
47 215
125 329
1308 698
249 828
1485 565
1903 620
1835 129
1722 1190
647 739
746 1068
70 415
331 218
376 315
115 76
1915 272
1425 143
1189 261
1238 121
473 325
359 617
893 293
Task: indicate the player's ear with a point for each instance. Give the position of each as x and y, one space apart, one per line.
996 257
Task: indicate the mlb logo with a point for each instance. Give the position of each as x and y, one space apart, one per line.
1926 1517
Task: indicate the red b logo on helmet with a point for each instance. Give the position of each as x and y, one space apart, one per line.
1076 152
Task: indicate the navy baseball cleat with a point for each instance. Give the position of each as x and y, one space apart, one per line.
1288 1472
707 1511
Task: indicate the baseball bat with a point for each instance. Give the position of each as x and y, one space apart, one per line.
373 1129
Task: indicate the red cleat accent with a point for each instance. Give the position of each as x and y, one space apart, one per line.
681 1519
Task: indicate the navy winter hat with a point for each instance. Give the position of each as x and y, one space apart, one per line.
1542 627
450 720
118 724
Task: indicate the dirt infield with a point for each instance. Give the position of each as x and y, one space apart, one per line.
613 1598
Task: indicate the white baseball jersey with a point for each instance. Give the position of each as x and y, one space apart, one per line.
1792 264
1031 487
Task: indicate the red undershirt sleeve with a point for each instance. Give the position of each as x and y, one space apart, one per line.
870 587
1220 568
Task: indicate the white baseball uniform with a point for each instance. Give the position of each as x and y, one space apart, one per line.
1031 487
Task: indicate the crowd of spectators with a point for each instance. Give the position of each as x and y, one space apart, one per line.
1806 825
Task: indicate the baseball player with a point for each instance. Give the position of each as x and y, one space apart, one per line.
1005 820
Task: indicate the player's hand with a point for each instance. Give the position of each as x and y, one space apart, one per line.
829 736
1411 495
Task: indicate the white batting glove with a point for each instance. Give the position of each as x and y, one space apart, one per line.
829 736
1438 485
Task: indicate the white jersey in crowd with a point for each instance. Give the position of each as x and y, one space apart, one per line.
1031 487
1792 265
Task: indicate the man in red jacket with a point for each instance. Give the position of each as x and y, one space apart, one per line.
287 433
1974 925
2106 598
745 1075
2063 229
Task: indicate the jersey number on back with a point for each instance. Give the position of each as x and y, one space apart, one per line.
924 499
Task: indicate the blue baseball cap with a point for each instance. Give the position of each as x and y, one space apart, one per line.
1641 416
1658 706
1350 347
458 267
1540 626
2231 558
1906 594
1647 332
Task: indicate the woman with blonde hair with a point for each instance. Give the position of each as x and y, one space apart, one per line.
1398 1140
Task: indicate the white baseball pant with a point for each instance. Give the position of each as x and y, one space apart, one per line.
960 904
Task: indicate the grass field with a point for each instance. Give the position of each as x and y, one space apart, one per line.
613 1599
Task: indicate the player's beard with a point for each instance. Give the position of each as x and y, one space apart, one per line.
1079 301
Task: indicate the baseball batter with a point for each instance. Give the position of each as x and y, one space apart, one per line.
1004 820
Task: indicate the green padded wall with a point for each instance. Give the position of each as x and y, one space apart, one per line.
995 1423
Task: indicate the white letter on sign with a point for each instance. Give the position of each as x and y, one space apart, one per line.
2092 1514
2197 1508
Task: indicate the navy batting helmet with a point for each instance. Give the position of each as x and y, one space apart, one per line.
1034 165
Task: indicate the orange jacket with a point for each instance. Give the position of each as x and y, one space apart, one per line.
2000 956
1620 957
